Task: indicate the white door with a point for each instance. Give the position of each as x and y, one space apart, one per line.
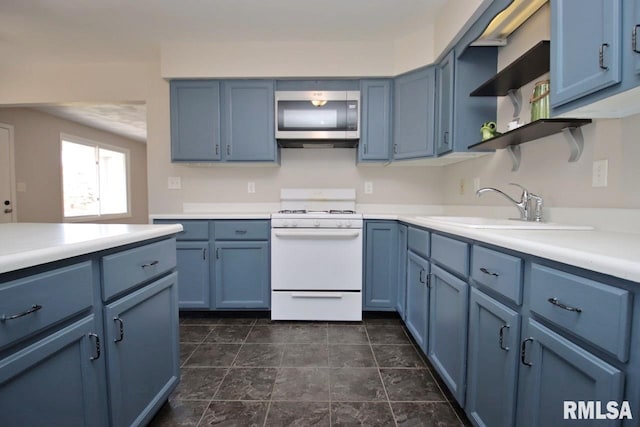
6 176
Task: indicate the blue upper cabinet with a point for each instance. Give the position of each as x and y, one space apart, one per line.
444 111
195 120
381 266
248 120
414 114
585 47
635 38
375 122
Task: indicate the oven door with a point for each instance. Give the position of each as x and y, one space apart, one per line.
316 259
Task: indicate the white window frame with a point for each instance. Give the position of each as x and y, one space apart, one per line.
91 143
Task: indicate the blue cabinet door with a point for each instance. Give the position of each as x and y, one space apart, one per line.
585 47
448 311
142 351
55 382
492 364
417 308
401 301
248 120
444 109
242 275
195 120
554 370
375 122
381 261
193 270
635 47
414 114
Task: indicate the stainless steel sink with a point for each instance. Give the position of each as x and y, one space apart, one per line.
501 224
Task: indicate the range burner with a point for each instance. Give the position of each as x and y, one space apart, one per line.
304 211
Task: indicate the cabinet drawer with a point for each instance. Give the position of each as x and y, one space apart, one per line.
45 299
126 269
241 230
450 253
191 230
498 271
316 305
418 241
593 311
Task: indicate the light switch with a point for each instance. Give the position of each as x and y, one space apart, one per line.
368 187
251 187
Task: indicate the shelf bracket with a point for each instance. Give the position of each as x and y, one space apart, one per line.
516 155
515 95
575 140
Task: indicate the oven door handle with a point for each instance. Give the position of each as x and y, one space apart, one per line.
336 295
317 234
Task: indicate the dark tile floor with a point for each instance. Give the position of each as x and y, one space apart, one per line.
250 371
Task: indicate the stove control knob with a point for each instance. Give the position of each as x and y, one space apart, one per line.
348 225
285 223
316 223
294 223
339 224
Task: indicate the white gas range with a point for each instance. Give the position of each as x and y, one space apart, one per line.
316 256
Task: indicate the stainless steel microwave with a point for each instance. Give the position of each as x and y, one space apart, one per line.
317 116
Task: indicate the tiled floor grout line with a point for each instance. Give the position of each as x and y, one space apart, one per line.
386 393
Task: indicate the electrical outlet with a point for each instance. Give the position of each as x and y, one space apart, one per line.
368 187
251 187
174 183
461 187
476 184
600 171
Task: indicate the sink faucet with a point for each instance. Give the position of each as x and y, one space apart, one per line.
529 206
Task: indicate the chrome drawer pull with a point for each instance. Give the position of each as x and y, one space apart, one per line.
502 338
97 356
601 56
121 329
490 273
241 231
557 303
33 309
151 264
523 352
634 39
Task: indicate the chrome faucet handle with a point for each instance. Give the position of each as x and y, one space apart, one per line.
525 192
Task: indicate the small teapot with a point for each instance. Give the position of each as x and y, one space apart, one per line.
489 130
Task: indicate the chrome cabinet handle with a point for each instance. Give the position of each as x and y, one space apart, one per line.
395 148
241 231
228 150
557 303
217 253
204 254
634 39
120 329
365 148
421 279
523 352
217 149
97 356
446 138
601 56
502 347
151 264
490 273
33 309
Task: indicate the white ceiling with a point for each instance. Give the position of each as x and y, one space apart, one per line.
51 31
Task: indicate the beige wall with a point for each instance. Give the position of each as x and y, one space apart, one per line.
544 169
37 164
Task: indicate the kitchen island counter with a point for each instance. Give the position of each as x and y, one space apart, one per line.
30 244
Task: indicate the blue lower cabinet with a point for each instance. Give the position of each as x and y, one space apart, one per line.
417 306
381 258
448 312
193 269
554 370
401 299
242 275
142 351
492 364
55 381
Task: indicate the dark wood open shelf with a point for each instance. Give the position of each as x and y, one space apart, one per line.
529 132
532 64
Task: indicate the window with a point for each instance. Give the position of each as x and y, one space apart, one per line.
94 178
